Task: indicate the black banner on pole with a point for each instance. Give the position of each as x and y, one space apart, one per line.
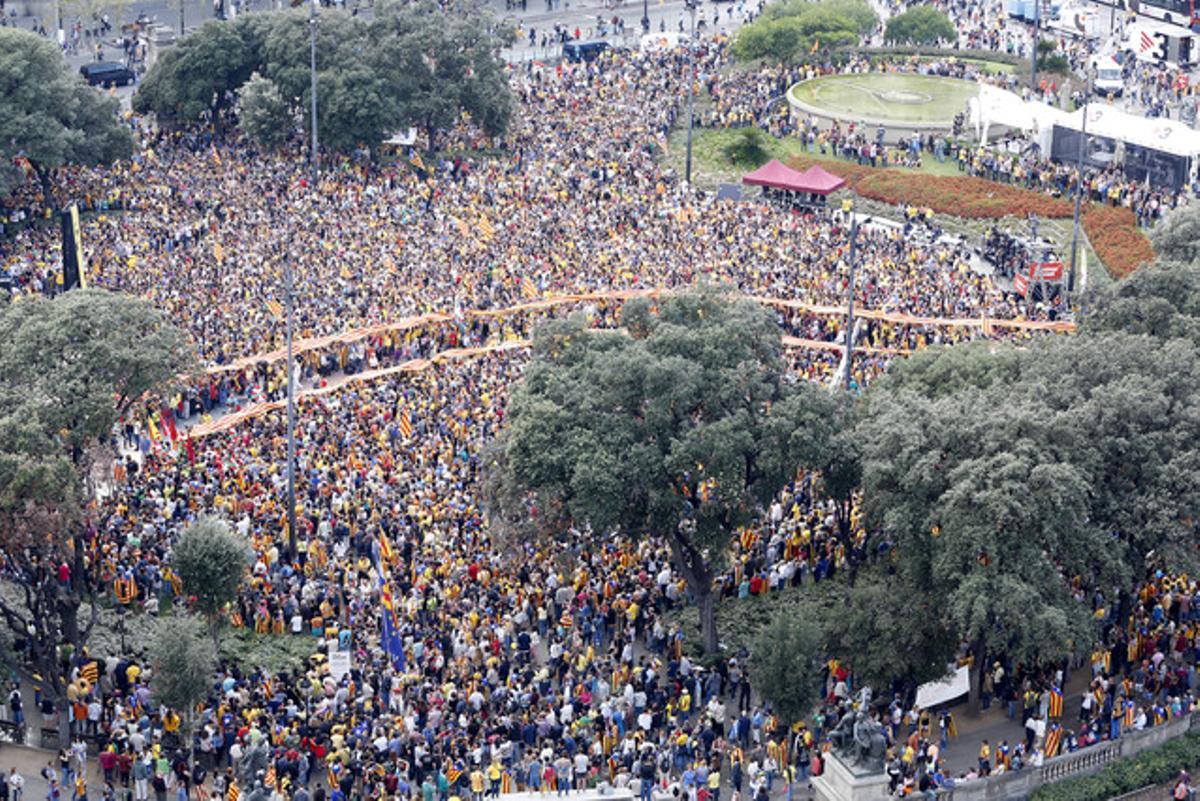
72 250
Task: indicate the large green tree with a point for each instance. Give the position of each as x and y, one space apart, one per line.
1161 299
352 104
892 637
920 25
1177 237
439 65
791 31
413 65
69 369
184 661
680 425
263 114
211 560
49 115
784 664
200 74
1010 478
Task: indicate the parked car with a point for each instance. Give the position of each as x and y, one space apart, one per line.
576 51
106 73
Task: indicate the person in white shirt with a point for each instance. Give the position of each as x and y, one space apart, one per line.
16 785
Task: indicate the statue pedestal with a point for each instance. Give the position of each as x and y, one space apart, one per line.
840 782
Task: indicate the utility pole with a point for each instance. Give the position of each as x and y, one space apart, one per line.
181 22
645 16
691 79
312 48
289 290
1033 57
850 299
1078 193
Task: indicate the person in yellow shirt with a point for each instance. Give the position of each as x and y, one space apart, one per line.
494 772
477 784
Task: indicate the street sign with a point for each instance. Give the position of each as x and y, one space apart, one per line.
339 664
1051 271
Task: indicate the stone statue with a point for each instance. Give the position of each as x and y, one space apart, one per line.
870 743
842 735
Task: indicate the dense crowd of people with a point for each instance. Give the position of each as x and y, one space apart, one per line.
516 668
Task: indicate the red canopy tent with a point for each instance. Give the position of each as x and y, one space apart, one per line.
819 182
776 176
813 181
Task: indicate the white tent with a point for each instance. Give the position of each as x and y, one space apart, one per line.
1002 107
1156 133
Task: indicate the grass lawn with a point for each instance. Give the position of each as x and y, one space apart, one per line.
886 97
989 67
710 166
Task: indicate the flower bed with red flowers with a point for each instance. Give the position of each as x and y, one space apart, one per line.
1113 232
1115 237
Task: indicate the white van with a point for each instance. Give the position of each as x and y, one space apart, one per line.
1109 80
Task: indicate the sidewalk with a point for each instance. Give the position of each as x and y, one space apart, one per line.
993 725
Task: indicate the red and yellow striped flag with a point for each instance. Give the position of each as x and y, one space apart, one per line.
528 288
233 793
275 308
406 424
486 231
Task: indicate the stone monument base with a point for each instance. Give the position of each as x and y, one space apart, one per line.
840 783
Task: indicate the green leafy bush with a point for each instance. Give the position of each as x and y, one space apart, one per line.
1156 766
274 652
749 147
791 31
920 25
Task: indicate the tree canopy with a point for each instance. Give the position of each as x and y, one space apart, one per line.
412 65
184 663
790 31
211 561
69 369
262 112
784 667
680 425
49 115
1011 478
920 25
1161 299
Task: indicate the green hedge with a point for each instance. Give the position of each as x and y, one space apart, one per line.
1156 766
942 52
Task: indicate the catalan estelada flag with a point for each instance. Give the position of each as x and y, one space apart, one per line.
1055 708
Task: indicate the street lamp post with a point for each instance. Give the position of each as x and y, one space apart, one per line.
645 16
691 79
181 21
850 300
1033 56
1079 183
289 290
312 48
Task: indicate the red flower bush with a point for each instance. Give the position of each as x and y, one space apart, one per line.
1113 232
1115 237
